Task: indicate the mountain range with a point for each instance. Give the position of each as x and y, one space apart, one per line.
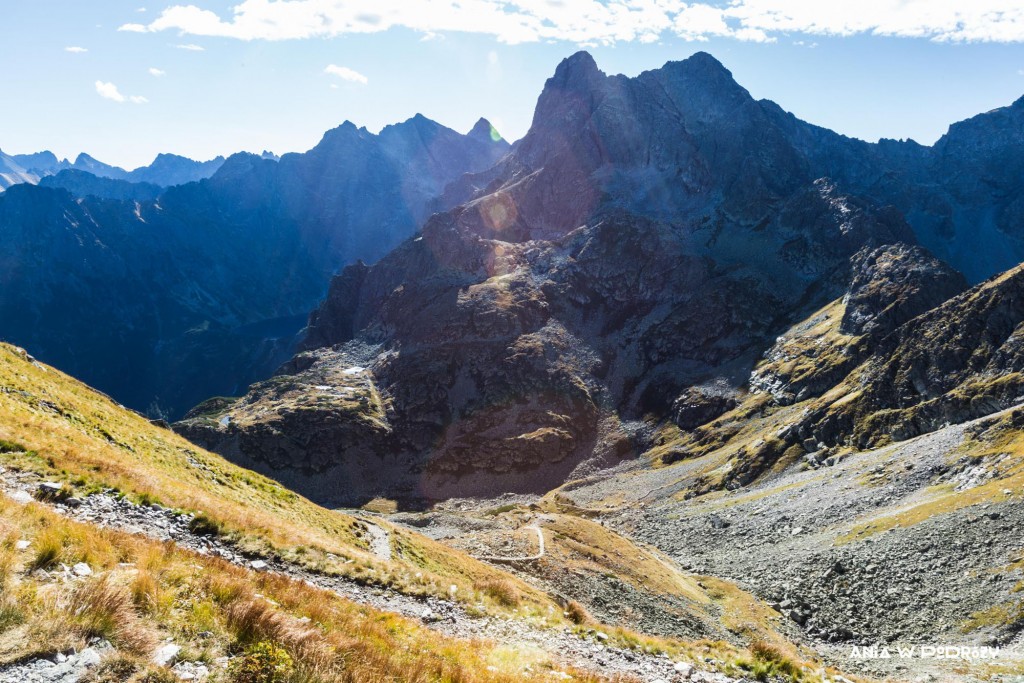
165 171
675 383
647 236
162 297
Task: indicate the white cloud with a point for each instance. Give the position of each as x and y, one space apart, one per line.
192 47
109 91
346 74
153 71
604 21
133 28
75 50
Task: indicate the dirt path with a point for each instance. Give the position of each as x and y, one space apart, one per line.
380 539
448 617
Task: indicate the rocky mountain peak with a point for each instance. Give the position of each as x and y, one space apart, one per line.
578 69
571 94
85 159
704 77
237 165
484 131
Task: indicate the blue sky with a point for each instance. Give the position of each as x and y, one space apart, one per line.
275 74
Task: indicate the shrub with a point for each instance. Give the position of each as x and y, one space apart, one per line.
264 662
204 525
11 447
116 669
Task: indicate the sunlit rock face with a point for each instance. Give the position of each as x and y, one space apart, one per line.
648 235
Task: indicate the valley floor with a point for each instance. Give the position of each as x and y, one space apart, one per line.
909 546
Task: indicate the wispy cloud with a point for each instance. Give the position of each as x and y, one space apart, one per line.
76 50
109 91
153 71
192 47
346 74
605 21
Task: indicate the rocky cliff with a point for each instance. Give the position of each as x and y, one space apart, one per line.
646 236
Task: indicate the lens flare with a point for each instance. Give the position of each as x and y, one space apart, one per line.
498 211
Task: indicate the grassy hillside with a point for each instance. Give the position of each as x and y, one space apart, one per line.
62 430
143 593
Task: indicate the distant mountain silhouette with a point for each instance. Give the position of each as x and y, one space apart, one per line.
164 300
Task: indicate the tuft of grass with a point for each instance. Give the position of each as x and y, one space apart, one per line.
60 496
577 613
502 591
11 613
48 549
101 608
774 662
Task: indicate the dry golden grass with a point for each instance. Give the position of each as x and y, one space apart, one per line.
61 429
577 543
503 591
167 592
101 608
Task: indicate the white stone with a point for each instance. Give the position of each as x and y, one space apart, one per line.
797 530
166 655
258 565
22 545
601 635
82 569
21 497
684 669
89 658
